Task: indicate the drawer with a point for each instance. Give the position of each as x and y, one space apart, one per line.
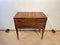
30 25
29 20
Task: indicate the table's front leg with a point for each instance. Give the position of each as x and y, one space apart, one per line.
42 33
17 33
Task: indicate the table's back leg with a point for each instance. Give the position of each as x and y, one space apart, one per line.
17 33
39 30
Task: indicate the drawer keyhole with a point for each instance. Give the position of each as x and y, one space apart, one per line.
19 21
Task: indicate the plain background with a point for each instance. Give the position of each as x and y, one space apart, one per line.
8 9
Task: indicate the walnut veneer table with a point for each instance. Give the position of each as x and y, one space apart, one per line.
36 20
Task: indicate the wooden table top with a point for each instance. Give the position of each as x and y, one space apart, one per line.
30 15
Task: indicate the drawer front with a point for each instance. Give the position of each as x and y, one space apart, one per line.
29 20
30 23
30 26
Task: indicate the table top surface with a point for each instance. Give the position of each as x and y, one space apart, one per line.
30 15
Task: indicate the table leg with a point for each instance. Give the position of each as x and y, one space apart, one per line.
17 33
39 30
42 34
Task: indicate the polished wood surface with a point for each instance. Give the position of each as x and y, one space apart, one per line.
30 15
30 20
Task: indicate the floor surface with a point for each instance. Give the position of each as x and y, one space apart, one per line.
29 38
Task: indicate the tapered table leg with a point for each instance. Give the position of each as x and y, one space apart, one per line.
42 34
17 33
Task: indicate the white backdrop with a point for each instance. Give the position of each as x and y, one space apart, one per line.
8 9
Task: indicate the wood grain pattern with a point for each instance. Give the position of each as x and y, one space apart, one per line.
30 15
